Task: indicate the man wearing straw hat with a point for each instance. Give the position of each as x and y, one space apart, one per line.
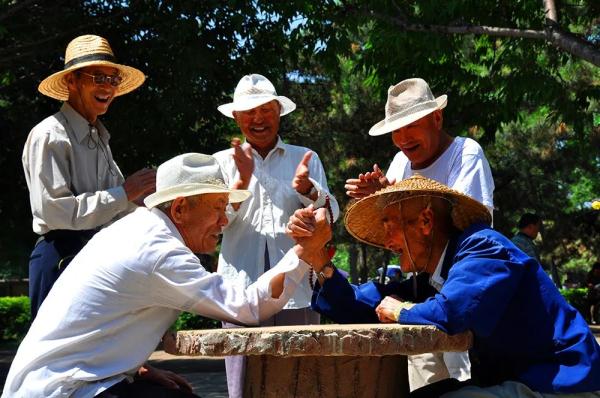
75 186
282 178
112 305
415 119
528 342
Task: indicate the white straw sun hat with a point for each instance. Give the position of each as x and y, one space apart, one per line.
252 91
408 101
85 51
191 174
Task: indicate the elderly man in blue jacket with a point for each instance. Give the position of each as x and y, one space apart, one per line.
528 341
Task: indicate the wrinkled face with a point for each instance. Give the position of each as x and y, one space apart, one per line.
398 235
88 98
201 219
420 141
260 125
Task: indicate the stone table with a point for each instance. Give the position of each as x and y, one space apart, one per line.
366 360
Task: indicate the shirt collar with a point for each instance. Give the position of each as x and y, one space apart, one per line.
278 145
168 223
436 280
79 124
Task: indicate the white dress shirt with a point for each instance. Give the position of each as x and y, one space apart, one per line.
111 306
73 181
463 167
260 221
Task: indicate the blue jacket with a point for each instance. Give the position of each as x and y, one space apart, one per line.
523 328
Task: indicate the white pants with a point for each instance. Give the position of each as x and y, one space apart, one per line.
428 368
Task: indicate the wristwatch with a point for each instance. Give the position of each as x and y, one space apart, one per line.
326 272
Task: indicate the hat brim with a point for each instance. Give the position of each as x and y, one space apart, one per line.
184 190
384 127
363 219
287 105
55 85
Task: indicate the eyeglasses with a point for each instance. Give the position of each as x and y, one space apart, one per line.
99 80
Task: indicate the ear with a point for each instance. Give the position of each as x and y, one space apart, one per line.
70 79
236 117
426 221
438 119
178 210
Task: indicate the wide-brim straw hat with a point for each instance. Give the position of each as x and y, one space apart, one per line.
188 175
89 50
252 91
363 218
407 102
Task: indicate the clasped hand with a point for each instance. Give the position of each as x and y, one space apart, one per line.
310 229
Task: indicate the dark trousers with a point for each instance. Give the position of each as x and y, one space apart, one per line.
51 255
141 388
439 388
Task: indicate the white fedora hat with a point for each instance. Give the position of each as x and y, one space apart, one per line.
191 174
89 50
408 101
252 91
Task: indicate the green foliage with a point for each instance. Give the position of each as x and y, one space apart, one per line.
578 299
15 318
188 321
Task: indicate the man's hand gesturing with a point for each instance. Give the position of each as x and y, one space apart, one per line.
301 183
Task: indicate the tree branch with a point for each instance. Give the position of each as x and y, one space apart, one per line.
552 34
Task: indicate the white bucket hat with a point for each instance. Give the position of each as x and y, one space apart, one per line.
191 174
408 101
252 91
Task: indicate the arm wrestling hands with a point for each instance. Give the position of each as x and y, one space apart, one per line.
309 249
367 183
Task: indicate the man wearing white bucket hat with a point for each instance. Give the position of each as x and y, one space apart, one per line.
112 305
75 186
282 179
414 117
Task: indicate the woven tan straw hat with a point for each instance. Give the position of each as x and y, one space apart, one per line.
188 175
252 91
408 101
85 51
363 217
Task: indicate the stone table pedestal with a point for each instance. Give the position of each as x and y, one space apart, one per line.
367 360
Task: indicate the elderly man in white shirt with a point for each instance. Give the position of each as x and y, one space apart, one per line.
112 305
415 119
75 186
282 179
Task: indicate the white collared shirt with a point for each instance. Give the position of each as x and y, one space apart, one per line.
436 280
72 183
260 221
110 308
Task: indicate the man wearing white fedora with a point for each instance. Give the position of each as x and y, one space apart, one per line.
415 119
75 186
282 179
112 305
